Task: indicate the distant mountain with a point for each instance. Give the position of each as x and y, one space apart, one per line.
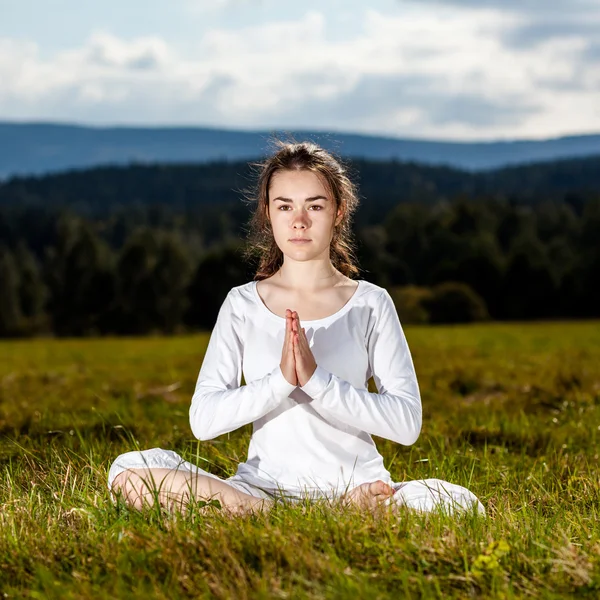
38 148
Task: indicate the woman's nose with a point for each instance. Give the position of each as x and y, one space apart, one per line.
300 220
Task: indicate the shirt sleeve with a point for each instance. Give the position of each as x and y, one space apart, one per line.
219 403
394 412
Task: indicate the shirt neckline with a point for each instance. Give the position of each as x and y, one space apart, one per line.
345 308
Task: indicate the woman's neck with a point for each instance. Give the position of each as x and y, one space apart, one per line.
307 276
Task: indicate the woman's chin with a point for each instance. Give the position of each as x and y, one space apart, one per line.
301 254
305 252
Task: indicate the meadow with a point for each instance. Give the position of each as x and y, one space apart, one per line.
511 411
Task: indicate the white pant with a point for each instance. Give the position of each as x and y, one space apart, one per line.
423 494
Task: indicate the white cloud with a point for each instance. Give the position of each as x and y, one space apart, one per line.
204 7
443 74
106 50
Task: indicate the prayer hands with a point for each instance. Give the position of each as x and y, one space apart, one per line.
297 361
305 361
288 360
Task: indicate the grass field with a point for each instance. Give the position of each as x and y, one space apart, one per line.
511 411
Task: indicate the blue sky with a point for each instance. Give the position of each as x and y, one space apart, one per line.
445 69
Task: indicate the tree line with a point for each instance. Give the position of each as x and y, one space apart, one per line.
115 262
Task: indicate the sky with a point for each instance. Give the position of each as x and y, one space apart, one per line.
434 69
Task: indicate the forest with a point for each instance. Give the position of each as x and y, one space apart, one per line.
146 249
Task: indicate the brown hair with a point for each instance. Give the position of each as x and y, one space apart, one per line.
292 156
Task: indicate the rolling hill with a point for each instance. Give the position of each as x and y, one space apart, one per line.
39 148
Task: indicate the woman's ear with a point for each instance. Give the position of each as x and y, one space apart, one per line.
339 217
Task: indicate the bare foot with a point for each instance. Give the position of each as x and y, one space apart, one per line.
369 495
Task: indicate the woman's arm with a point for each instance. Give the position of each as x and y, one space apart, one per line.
395 412
219 404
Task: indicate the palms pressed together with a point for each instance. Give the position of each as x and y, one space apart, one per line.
298 365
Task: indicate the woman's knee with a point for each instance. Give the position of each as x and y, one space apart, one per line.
133 488
430 494
173 488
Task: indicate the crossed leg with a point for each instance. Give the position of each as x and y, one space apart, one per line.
175 488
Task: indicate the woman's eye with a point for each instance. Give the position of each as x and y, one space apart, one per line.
286 208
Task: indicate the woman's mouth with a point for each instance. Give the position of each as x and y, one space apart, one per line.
299 240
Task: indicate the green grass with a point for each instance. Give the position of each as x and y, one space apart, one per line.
512 411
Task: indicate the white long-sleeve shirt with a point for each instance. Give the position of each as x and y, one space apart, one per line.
317 437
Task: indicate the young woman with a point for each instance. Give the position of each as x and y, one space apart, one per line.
307 338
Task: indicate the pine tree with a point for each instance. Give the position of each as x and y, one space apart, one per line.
137 301
33 293
79 274
10 310
216 274
171 277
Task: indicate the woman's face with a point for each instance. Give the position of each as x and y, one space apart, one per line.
302 213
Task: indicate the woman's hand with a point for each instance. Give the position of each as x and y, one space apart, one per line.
288 361
305 361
